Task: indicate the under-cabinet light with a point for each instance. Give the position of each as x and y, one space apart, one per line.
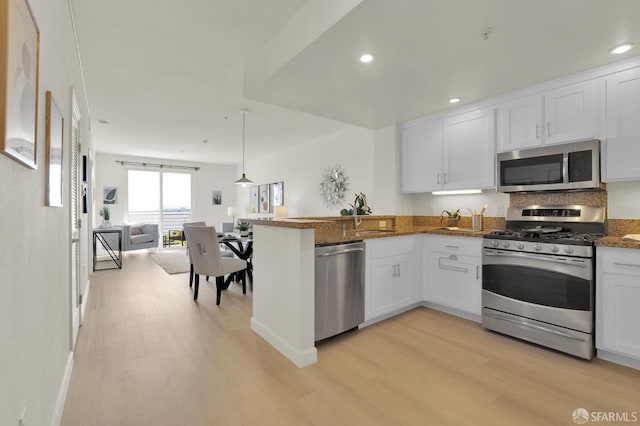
458 192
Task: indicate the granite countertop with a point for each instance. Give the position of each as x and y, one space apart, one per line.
616 242
328 231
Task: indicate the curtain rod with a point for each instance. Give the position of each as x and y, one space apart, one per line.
162 166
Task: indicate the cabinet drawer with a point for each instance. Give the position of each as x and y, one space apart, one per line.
390 246
621 261
467 246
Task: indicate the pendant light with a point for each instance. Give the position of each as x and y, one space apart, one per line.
243 180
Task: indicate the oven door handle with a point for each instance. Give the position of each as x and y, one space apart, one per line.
580 263
537 327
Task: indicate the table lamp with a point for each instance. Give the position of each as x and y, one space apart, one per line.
233 212
280 211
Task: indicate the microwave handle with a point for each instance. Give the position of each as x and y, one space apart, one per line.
565 168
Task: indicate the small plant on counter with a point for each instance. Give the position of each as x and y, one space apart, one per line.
362 206
450 215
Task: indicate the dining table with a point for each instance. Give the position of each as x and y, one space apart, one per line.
242 247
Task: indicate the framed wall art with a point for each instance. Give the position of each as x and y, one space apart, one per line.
216 197
264 199
110 195
54 133
254 204
19 75
277 194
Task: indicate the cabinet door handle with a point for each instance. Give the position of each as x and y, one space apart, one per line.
453 247
394 271
477 272
444 180
438 179
398 269
548 128
537 131
626 264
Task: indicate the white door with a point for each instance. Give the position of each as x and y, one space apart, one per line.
520 123
620 317
403 285
380 296
621 147
571 113
469 150
74 166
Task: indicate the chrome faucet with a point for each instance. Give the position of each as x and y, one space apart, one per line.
357 222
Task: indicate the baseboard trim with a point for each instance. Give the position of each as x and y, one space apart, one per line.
56 418
85 299
299 358
453 311
388 315
618 359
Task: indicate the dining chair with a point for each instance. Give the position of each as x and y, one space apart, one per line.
184 228
204 249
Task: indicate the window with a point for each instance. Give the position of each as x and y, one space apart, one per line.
160 197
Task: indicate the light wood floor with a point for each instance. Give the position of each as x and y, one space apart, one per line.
147 354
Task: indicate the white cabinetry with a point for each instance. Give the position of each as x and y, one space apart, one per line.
422 145
391 280
621 147
455 153
453 275
618 301
557 116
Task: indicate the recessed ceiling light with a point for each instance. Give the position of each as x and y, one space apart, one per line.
366 58
621 49
205 141
454 100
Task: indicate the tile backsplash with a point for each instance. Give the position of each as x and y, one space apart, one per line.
586 198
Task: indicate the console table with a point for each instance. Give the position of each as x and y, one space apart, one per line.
100 235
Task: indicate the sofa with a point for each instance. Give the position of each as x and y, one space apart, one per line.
136 236
139 236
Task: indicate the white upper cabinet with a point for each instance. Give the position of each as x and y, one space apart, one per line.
455 153
421 156
557 116
520 123
571 113
621 144
469 150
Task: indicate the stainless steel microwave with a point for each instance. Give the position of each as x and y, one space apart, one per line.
550 168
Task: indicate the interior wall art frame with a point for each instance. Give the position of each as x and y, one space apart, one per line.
254 203
110 195
54 139
20 53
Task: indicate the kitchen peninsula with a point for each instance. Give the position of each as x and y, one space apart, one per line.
284 267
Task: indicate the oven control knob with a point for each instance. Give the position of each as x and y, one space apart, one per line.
537 247
505 244
520 246
555 249
496 243
568 249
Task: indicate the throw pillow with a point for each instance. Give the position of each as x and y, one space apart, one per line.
136 231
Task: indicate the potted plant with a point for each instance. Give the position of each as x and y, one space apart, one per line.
453 217
243 228
104 213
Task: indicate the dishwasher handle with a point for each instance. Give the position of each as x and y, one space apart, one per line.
334 253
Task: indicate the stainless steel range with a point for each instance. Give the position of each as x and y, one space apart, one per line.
538 276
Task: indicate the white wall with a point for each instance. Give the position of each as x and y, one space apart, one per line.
301 168
210 177
433 205
624 200
35 338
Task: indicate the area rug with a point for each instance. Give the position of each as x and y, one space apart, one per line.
172 261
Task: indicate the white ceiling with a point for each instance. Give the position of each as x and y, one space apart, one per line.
165 74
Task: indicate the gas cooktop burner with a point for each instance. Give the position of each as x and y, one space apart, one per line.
547 235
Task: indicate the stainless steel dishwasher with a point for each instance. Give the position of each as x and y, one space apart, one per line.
339 288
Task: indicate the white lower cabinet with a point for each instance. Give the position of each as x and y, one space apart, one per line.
392 275
618 301
453 274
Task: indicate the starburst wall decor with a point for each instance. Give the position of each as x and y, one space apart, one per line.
333 186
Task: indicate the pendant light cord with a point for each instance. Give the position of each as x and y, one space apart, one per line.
243 113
